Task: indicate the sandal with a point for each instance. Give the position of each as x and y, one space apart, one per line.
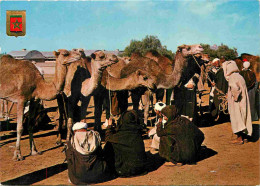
237 142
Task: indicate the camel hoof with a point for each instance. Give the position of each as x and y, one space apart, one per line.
18 158
59 143
36 153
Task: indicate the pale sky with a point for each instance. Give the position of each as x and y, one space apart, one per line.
111 25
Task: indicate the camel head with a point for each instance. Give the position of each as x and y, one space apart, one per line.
126 59
145 80
65 57
101 60
188 50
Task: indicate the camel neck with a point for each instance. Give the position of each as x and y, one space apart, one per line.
170 81
50 90
115 84
90 84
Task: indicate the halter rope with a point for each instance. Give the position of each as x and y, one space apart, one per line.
223 106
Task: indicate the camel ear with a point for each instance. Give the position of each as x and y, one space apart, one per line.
181 47
56 53
93 56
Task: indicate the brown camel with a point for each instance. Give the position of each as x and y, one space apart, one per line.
21 81
84 79
181 71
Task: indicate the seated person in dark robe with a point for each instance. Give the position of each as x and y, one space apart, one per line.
85 158
124 147
180 139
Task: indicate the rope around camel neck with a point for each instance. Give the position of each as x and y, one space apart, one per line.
109 95
223 106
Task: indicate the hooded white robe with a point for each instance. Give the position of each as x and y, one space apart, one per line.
238 101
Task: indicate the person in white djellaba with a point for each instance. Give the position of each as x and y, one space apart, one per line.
238 103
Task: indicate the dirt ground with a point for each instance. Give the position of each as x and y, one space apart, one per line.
221 162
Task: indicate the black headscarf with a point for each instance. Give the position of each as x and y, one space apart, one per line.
129 121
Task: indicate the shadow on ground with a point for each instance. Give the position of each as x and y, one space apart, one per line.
154 161
27 137
37 176
255 134
206 153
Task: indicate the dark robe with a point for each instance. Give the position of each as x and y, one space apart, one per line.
124 147
222 84
249 77
83 169
186 100
180 139
251 85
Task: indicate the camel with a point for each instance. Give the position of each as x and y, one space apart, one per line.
21 81
84 79
183 68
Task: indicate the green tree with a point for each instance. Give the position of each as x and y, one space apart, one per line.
220 52
147 44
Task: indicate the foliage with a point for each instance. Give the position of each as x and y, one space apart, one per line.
222 51
147 44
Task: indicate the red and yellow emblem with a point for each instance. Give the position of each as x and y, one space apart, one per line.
16 23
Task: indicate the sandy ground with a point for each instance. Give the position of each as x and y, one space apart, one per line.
222 163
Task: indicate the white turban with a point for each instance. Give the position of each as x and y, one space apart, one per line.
159 106
229 67
215 60
246 64
79 125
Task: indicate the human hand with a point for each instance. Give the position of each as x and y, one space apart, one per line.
110 121
190 86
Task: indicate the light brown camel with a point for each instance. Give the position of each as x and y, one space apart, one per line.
84 78
180 72
21 81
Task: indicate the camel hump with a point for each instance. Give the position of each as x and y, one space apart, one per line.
135 55
153 52
6 59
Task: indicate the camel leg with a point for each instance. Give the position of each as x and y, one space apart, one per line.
20 110
9 111
98 101
31 122
146 102
84 106
70 123
1 108
159 94
62 121
72 103
168 96
136 96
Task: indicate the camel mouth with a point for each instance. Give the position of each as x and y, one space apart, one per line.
72 60
115 60
152 87
198 54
